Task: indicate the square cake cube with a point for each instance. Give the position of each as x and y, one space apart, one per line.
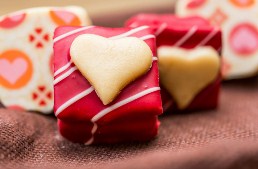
78 102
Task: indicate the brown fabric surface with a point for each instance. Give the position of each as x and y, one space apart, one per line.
222 138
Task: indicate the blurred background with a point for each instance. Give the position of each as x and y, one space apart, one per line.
99 10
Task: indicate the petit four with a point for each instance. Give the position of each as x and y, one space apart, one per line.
189 64
106 84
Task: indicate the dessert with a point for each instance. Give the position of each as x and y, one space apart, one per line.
106 83
188 51
26 55
184 73
238 21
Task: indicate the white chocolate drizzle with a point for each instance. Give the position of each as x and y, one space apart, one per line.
63 68
130 32
134 24
93 130
147 37
65 75
154 58
208 37
73 100
161 29
190 33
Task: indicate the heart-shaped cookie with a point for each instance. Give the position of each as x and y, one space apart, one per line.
110 65
184 73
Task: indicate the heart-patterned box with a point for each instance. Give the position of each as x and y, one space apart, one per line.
185 47
26 55
94 63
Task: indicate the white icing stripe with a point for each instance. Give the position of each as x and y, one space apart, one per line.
90 141
60 70
209 37
186 36
129 32
134 24
154 58
65 75
71 33
93 130
161 29
147 37
73 100
123 102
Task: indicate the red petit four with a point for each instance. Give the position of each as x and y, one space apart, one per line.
189 84
89 113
